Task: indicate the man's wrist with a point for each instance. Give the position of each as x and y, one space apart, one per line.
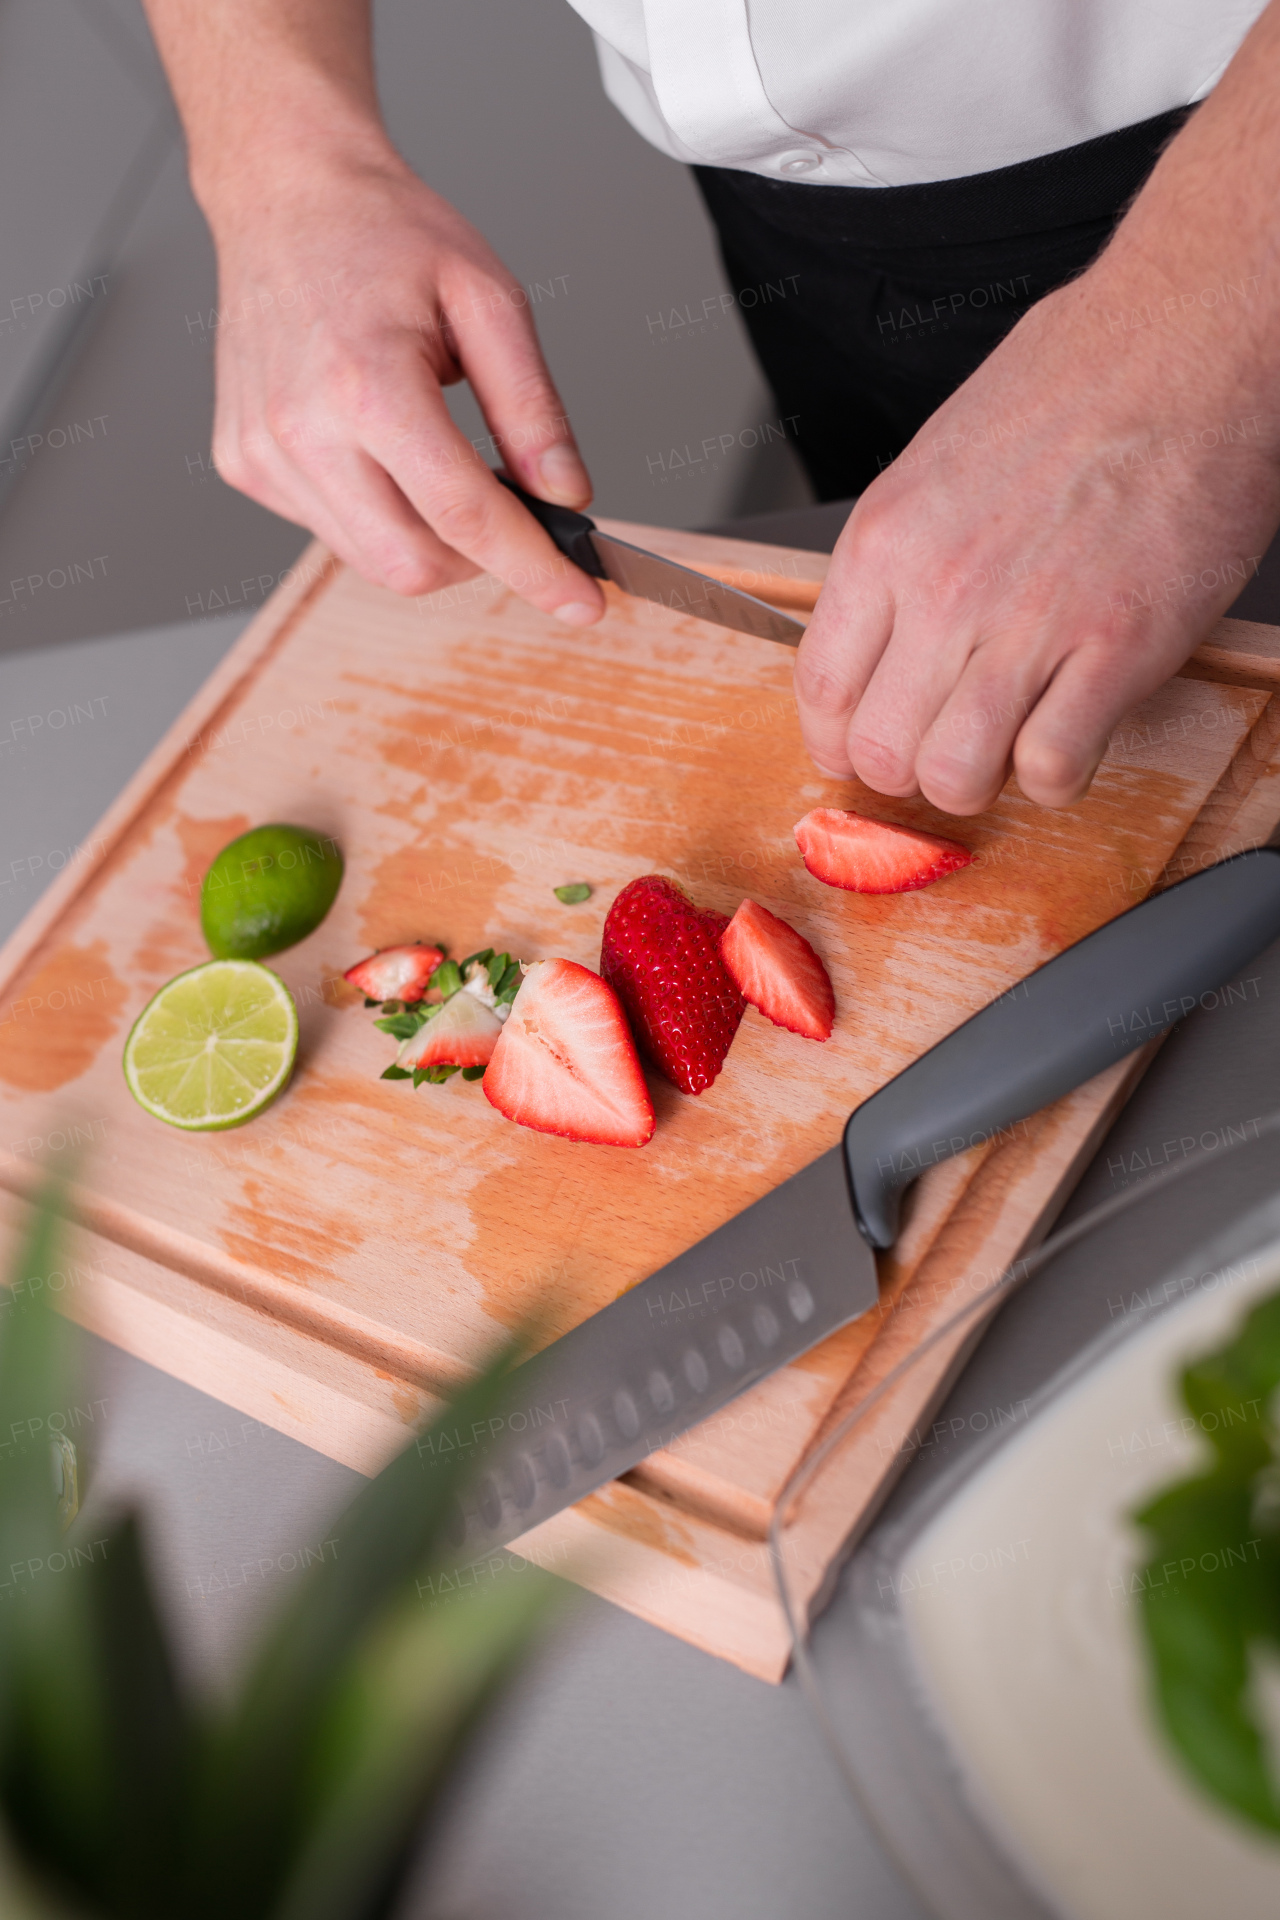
1162 324
253 159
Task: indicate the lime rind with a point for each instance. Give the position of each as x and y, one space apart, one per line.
214 1047
268 889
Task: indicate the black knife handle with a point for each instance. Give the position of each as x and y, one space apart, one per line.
1125 984
571 531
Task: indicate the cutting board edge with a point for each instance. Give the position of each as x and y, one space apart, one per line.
279 1307
1115 1088
227 1348
314 573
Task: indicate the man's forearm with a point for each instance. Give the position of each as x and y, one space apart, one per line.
266 87
1206 219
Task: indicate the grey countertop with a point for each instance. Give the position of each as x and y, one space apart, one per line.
628 1775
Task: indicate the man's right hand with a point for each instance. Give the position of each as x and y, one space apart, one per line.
350 295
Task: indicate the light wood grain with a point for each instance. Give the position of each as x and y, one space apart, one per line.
1241 653
350 1257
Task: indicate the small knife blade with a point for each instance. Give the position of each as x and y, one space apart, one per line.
648 576
798 1264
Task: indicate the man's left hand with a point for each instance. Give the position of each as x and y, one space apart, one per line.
1067 528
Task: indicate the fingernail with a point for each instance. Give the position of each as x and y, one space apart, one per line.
577 613
563 475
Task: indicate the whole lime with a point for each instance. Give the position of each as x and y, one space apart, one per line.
268 890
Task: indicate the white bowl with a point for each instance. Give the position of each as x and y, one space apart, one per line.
1007 1746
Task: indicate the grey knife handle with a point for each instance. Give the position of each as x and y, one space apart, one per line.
1125 984
571 531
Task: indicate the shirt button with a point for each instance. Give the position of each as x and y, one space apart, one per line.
800 162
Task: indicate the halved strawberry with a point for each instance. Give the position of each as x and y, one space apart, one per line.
463 1034
873 856
396 973
661 955
566 1063
776 969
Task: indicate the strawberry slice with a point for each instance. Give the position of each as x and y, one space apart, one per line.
396 973
873 856
776 969
661 955
463 1034
566 1063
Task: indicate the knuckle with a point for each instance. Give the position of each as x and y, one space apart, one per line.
462 522
361 385
870 531
415 573
232 463
284 424
957 789
880 761
495 295
819 682
1050 775
531 396
403 561
365 400
956 742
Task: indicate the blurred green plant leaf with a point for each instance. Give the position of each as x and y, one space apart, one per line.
1210 1593
24 1898
394 1723
302 1792
54 1756
259 1782
150 1727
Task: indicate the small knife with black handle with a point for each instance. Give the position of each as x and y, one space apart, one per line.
800 1262
650 577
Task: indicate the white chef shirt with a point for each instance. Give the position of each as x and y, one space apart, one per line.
880 93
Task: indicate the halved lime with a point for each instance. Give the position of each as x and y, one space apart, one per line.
268 890
214 1047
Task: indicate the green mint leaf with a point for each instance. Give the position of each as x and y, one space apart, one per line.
509 985
498 965
447 977
473 1073
395 1073
403 1026
484 956
573 894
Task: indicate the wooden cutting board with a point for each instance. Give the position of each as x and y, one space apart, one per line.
339 1264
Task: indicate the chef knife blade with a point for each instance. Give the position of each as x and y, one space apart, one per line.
649 577
798 1264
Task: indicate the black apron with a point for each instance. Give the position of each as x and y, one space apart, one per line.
868 306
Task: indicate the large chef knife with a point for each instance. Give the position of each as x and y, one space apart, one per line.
800 1263
650 577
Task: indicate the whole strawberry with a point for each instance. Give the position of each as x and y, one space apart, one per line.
661 955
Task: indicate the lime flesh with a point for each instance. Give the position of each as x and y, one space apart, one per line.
268 890
214 1047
